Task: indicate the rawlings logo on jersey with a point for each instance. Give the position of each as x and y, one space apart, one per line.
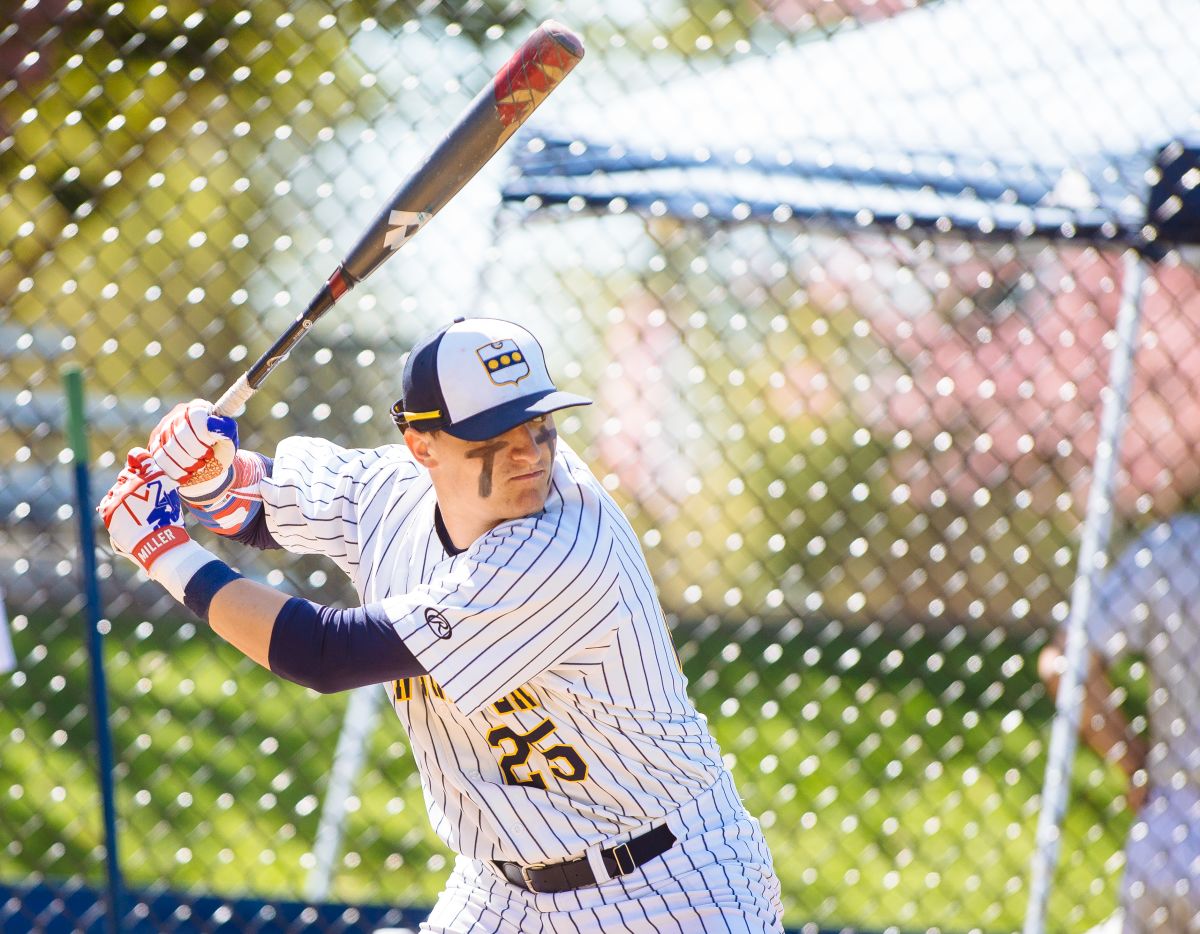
438 623
504 362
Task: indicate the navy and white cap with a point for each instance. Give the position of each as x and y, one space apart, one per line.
477 378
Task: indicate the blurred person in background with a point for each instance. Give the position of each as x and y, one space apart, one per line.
1148 604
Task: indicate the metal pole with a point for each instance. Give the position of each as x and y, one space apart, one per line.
1096 529
348 758
77 435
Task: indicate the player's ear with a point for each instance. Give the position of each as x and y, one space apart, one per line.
421 444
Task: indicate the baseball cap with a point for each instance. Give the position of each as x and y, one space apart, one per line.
477 378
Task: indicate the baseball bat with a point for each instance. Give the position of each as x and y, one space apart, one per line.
534 70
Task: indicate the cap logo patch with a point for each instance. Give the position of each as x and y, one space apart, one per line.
504 362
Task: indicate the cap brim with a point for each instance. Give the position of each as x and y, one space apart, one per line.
497 421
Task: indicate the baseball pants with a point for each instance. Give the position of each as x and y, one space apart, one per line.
717 878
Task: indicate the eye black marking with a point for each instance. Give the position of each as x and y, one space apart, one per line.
546 434
487 453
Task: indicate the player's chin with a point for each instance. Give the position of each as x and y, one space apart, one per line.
528 496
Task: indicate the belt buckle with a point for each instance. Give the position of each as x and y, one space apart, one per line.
622 854
527 880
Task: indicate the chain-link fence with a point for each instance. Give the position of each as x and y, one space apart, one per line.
849 325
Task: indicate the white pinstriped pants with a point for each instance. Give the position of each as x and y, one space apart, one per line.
718 878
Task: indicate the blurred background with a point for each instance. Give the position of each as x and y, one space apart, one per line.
842 276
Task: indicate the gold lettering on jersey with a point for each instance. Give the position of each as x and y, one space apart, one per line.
526 695
432 687
565 762
403 688
516 748
520 699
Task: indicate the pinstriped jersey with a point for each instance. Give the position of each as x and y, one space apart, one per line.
1149 604
554 714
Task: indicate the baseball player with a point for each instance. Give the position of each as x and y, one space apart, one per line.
508 611
1149 604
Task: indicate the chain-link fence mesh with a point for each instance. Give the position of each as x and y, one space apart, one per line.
858 458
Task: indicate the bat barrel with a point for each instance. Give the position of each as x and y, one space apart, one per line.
534 70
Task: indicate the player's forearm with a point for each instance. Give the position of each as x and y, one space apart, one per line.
316 646
243 613
1105 727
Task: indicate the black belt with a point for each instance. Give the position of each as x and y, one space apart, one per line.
576 873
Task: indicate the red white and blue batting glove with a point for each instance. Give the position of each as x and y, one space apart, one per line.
143 518
218 483
228 506
194 446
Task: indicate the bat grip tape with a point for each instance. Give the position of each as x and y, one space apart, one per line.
235 396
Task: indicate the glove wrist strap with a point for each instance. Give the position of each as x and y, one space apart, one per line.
157 544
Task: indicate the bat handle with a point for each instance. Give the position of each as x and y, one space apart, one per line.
235 396
247 384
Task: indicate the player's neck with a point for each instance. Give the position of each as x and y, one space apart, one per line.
439 525
459 530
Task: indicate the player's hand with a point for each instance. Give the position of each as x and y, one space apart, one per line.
195 447
1139 781
217 482
1139 790
141 511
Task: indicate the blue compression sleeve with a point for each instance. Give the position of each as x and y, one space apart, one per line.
332 650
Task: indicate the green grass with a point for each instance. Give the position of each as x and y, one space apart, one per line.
897 783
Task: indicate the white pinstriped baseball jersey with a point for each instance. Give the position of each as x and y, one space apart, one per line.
1149 603
554 716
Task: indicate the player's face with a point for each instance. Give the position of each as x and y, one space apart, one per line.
484 483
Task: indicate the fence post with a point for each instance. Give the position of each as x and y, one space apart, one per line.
1094 542
357 726
77 436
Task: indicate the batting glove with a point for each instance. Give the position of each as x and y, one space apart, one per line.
142 515
229 504
195 447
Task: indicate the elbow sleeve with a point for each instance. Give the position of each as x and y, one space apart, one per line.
330 650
